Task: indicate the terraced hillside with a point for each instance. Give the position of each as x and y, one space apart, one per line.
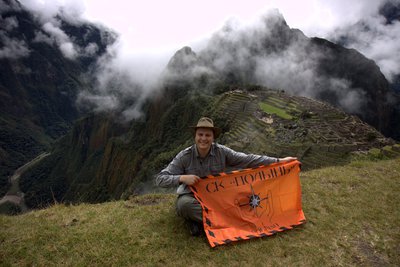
274 123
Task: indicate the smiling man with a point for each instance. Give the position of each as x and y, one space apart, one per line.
203 158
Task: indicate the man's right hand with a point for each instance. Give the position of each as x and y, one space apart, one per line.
189 179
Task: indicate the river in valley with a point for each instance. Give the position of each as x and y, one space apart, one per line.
14 195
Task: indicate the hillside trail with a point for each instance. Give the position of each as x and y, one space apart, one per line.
14 194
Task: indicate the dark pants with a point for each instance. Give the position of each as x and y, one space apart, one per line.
189 208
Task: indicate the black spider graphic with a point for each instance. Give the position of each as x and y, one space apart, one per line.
254 201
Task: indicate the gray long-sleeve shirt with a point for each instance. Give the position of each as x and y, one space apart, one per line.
220 159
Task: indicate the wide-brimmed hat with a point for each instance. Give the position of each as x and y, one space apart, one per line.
206 122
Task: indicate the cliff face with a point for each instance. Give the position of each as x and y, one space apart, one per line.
38 83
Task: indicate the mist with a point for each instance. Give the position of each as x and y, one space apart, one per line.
362 25
10 47
123 82
376 37
271 54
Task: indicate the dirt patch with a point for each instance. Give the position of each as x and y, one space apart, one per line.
144 200
368 255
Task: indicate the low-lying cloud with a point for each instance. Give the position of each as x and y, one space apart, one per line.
50 15
121 83
10 47
377 39
362 25
271 54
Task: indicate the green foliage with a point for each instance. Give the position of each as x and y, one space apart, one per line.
376 154
40 187
9 208
352 220
371 136
19 143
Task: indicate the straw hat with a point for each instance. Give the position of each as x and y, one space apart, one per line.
205 122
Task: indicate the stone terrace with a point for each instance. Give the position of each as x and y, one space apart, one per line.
318 134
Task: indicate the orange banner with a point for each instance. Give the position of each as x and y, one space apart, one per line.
250 203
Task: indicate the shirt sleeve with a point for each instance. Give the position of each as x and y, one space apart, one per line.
169 177
242 160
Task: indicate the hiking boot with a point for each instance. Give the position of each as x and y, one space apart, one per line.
195 228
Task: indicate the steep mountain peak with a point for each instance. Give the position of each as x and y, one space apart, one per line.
182 60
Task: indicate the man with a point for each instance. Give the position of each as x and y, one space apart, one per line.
199 160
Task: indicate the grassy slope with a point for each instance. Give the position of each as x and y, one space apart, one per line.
352 211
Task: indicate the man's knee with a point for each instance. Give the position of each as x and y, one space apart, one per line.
188 207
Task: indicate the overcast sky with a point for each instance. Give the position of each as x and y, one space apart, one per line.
155 26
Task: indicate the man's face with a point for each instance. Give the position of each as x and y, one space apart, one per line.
204 138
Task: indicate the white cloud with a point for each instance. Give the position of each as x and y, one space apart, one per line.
377 40
61 39
91 49
42 37
9 23
12 48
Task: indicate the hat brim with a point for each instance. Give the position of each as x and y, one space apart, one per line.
217 131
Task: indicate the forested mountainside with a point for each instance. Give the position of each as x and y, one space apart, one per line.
39 83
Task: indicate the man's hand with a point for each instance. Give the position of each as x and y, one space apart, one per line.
287 159
189 179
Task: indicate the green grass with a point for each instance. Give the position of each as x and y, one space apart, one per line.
274 110
352 213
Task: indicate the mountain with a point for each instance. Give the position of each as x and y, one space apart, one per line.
38 82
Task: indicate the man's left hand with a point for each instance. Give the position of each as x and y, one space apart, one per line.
287 159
